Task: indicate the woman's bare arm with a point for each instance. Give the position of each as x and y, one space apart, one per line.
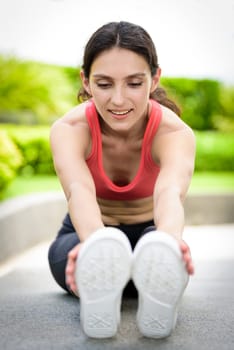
175 152
176 156
69 143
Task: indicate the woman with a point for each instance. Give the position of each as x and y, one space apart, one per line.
125 160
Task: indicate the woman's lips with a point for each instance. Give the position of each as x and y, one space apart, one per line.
120 114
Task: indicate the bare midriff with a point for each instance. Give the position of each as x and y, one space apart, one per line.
126 212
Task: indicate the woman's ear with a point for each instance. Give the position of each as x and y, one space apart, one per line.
85 82
155 80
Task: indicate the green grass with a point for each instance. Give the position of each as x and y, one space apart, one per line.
26 185
212 182
201 183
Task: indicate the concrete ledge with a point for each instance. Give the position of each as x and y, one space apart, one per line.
28 220
209 209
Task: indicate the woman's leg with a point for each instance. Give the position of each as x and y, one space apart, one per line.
66 239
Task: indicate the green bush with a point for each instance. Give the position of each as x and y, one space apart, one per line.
33 143
10 160
198 99
34 93
215 151
224 119
38 93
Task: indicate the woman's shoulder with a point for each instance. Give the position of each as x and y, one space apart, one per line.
171 122
173 137
72 128
75 116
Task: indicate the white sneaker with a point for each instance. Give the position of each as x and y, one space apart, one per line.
160 277
103 270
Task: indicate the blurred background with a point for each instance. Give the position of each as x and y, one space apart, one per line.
41 47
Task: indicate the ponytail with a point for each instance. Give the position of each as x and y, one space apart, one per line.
161 97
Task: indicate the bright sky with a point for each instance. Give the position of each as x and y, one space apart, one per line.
193 38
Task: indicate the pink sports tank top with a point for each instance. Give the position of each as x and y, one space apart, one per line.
143 183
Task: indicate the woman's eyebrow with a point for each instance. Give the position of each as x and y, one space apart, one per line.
104 76
136 75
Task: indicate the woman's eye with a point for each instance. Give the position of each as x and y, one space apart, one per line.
135 84
108 85
104 85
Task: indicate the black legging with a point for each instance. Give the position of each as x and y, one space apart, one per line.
67 238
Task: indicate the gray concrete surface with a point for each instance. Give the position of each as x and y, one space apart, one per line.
206 209
36 314
30 219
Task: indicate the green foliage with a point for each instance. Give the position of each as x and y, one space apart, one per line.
224 119
33 143
37 93
198 99
73 75
215 151
10 160
32 93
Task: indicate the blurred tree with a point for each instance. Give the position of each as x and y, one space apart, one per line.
32 93
37 93
10 160
199 100
224 119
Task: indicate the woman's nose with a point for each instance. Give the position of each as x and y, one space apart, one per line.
118 97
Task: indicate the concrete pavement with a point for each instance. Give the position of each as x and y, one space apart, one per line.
36 314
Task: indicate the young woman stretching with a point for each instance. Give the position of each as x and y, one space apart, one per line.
125 160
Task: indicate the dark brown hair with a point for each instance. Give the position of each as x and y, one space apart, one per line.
127 36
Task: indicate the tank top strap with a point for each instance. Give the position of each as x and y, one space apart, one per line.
151 129
94 127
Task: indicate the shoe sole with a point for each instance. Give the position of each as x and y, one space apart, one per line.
103 270
160 277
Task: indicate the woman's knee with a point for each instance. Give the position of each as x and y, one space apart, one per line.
57 257
148 229
61 247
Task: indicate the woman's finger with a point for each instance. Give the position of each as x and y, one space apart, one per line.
71 267
186 256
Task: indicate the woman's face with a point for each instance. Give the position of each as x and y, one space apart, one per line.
120 83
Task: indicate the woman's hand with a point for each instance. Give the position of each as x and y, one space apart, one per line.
186 255
71 267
